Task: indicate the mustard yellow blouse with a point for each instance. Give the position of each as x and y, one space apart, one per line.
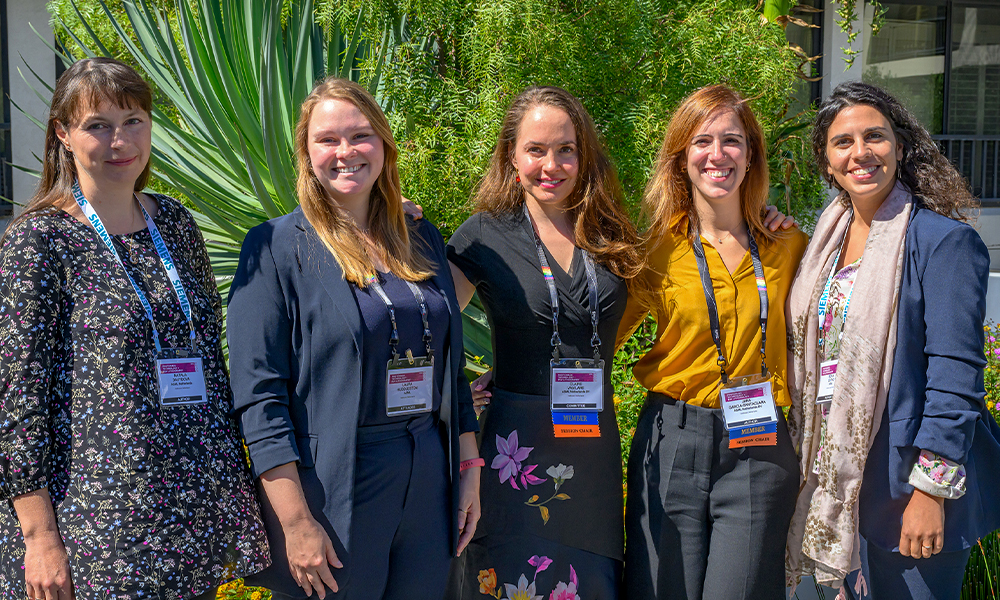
682 362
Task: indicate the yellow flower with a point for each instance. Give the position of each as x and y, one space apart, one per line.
255 596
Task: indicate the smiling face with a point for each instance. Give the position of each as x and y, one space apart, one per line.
345 152
717 158
862 153
546 156
110 144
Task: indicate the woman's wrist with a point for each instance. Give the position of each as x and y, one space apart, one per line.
471 463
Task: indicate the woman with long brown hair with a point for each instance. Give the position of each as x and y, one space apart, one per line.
898 451
345 344
550 251
117 450
712 472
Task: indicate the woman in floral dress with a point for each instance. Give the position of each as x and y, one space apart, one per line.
122 480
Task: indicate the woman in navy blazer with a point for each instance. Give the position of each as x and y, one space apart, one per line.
351 476
930 483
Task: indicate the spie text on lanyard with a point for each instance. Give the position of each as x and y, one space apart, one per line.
747 402
179 371
576 385
409 380
828 368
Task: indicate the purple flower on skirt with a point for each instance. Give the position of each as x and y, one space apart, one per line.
508 462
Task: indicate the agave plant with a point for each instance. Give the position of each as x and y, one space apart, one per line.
234 77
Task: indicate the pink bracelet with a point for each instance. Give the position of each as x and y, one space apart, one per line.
472 462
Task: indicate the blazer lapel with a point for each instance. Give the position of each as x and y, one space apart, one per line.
317 263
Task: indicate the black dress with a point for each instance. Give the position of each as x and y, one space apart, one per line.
556 525
151 501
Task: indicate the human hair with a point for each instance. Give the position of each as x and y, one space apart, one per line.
668 193
930 177
85 84
600 223
387 224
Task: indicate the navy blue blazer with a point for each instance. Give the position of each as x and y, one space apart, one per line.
295 343
936 394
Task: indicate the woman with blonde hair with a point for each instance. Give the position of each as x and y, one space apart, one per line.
712 472
346 352
118 452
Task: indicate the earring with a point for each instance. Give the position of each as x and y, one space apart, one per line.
518 179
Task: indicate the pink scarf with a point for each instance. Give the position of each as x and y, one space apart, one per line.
823 538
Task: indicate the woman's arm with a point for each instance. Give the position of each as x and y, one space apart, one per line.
468 492
30 326
953 285
310 551
463 287
46 565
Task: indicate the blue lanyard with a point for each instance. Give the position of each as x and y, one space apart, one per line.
825 298
161 249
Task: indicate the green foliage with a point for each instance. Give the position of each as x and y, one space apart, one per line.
629 62
629 394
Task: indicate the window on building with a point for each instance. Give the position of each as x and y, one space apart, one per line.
942 59
810 40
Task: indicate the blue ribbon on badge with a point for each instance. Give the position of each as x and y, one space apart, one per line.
575 418
754 430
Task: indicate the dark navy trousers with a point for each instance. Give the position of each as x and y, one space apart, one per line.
886 574
400 532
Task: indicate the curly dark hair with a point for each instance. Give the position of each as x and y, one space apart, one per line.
930 177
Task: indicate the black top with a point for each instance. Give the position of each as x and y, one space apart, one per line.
498 256
377 329
133 484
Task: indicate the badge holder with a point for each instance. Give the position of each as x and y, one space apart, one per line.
749 411
409 384
181 377
576 396
409 380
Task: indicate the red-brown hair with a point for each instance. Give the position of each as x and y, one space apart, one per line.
668 193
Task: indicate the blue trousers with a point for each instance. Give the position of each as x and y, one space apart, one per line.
400 529
887 574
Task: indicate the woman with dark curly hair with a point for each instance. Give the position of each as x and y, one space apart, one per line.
898 453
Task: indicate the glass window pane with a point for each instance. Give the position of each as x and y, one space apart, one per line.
974 92
907 58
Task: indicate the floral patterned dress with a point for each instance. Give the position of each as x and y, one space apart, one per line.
151 501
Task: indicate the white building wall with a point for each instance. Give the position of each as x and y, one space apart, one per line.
25 47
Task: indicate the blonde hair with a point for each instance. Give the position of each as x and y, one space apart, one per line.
668 193
387 224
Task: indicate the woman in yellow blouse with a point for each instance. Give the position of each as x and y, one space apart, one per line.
712 475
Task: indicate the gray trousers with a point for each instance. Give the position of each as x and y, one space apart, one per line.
703 521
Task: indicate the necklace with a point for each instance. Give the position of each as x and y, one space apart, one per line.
728 235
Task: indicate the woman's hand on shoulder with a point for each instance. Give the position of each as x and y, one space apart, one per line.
413 209
774 219
481 395
310 554
46 567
